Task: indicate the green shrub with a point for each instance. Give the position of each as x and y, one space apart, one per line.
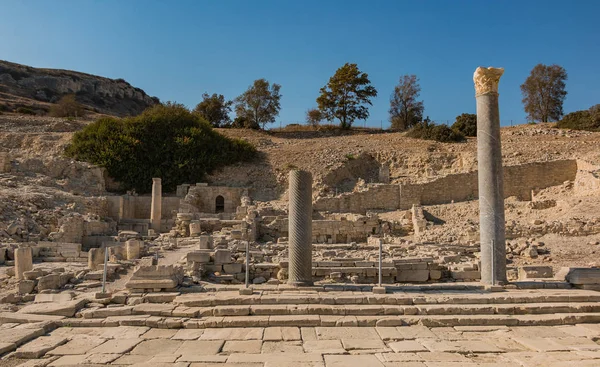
166 141
466 124
25 110
67 106
582 120
4 108
429 131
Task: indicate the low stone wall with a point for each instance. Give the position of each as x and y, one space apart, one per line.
519 181
60 252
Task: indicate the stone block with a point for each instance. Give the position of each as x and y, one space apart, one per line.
23 261
195 228
232 268
412 276
199 257
156 276
95 258
32 274
26 286
466 275
50 281
534 272
579 276
133 249
222 256
205 243
435 274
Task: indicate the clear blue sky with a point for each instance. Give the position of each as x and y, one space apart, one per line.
176 50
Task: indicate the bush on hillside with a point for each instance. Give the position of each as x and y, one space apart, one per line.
429 131
67 106
582 120
25 110
466 124
166 141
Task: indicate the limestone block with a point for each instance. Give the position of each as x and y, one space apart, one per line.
32 274
95 258
236 234
232 268
133 249
200 257
195 228
222 256
435 274
533 272
156 276
466 275
412 276
50 281
23 261
25 286
205 243
579 276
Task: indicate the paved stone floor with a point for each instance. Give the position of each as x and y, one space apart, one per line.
406 346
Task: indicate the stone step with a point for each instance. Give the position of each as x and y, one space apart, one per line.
345 298
335 320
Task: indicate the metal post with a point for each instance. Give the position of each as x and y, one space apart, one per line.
247 262
380 261
105 270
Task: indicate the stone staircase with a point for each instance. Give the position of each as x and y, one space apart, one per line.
311 308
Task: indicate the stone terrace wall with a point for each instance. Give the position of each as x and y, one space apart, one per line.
138 207
518 181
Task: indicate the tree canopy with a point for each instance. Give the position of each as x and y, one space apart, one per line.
405 110
544 93
214 109
345 96
314 117
466 123
259 105
166 141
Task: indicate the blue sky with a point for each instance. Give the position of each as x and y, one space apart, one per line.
176 50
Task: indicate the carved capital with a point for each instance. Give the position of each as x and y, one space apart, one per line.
486 80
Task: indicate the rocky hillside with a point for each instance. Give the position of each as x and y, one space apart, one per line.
26 86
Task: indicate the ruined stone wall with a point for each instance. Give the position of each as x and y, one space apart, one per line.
344 228
587 180
519 181
204 198
138 207
377 197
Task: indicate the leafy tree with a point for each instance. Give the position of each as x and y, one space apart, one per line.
466 124
345 95
405 110
67 106
544 93
314 117
582 120
166 141
214 109
259 105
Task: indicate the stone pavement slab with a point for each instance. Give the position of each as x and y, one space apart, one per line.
18 336
353 344
282 347
324 347
352 361
275 358
40 346
242 346
79 344
187 334
116 346
200 347
159 333
407 346
361 333
88 359
541 344
153 347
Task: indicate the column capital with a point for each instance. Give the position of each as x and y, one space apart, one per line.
486 80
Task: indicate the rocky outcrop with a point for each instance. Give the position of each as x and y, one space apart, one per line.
103 95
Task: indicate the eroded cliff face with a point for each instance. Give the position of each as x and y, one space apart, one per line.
109 96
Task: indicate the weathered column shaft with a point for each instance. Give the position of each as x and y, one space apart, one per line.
490 177
156 206
300 228
23 261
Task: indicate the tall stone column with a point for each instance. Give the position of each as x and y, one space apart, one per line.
491 187
156 207
300 228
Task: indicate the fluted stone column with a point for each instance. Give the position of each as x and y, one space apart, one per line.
300 228
491 188
156 206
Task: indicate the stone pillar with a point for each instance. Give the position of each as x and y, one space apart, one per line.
300 228
490 176
23 261
195 228
133 249
156 208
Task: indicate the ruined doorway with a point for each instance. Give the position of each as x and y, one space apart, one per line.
219 204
